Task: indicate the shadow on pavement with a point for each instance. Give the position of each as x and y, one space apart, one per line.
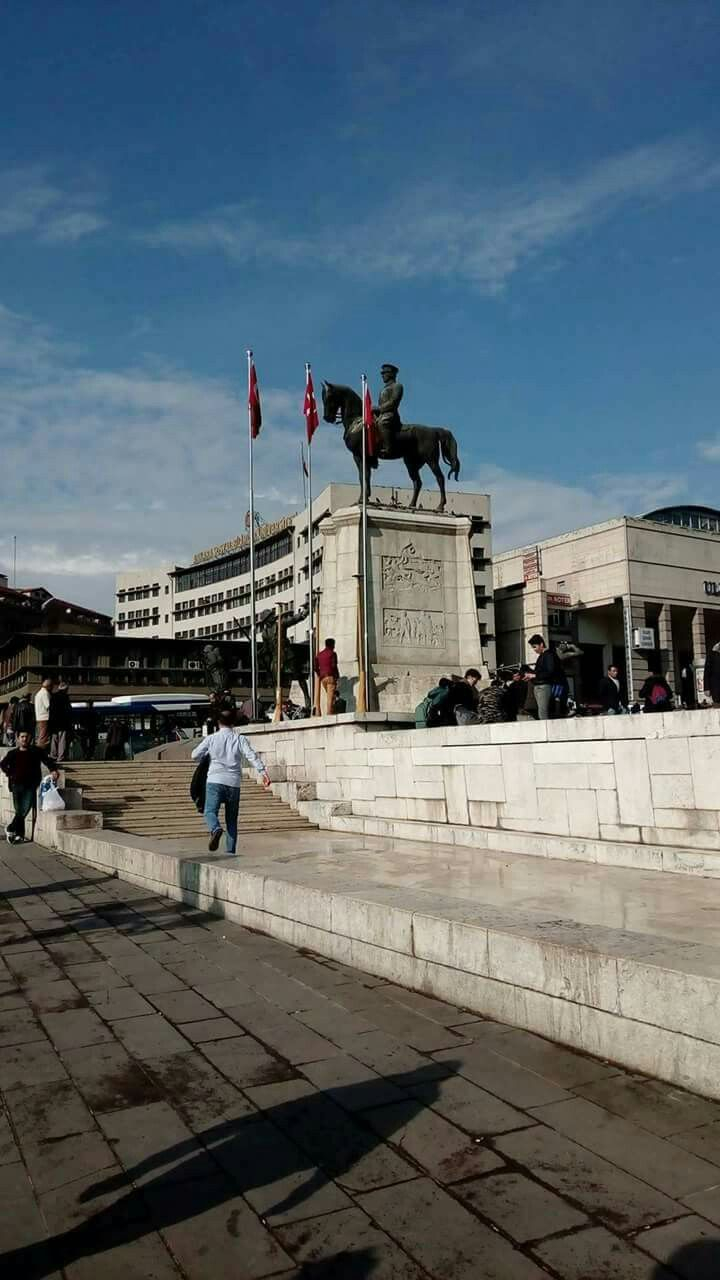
302 1145
697 1261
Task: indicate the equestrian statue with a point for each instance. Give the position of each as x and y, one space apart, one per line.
418 446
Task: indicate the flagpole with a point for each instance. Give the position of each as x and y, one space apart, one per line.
311 631
365 593
253 645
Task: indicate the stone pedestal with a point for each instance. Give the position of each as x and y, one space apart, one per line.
422 612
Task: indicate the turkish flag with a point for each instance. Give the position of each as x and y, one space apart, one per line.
369 425
312 422
254 402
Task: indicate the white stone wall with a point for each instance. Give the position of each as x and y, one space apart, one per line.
647 780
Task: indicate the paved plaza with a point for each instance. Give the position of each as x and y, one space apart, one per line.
185 1097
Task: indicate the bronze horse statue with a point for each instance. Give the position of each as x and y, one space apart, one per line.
418 446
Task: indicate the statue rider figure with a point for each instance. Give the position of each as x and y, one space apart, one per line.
387 412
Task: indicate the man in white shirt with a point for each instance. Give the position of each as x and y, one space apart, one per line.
226 750
42 713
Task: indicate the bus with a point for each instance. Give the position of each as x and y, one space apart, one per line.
148 720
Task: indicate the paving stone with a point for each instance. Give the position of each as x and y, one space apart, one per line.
152 979
246 1062
356 997
689 1247
276 1177
390 1057
552 1061
183 1006
19 1026
22 1227
595 1254
468 1106
9 1152
109 1078
77 1204
283 1033
347 1151
154 1146
119 1002
212 1029
54 997
508 1080
29 1064
46 1112
150 1037
204 1223
413 1028
654 1160
59 1160
31 966
14 999
444 1237
96 976
705 1203
198 1091
143 1258
448 1015
226 993
351 1084
333 1023
441 1149
75 1028
608 1193
348 1239
77 952
703 1141
520 1207
662 1108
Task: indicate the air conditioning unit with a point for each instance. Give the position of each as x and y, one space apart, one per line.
133 663
644 638
194 666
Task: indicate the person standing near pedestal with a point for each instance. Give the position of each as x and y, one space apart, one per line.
326 669
549 679
60 721
42 713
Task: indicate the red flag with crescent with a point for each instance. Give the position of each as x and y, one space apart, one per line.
312 422
369 424
254 402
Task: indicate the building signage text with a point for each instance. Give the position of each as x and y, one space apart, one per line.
237 544
712 588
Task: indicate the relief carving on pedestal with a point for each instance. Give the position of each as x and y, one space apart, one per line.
409 571
418 628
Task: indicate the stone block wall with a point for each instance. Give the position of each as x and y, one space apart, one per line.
647 780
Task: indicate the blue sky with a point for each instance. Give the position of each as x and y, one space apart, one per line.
518 204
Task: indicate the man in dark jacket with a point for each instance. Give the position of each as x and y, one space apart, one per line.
656 694
609 692
22 767
24 717
60 721
711 681
549 679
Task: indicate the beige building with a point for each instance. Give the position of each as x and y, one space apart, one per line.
210 597
641 592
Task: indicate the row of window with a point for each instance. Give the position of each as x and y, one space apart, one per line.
140 593
234 566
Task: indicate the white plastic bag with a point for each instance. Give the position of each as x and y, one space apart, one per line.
50 798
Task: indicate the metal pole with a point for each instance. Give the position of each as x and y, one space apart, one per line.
277 714
253 648
14 560
365 565
311 641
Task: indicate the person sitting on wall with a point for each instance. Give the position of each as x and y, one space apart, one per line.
656 694
326 669
610 694
549 681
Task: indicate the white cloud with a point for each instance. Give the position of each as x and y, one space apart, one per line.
478 235
33 203
710 449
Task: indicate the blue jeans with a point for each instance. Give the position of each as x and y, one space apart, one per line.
217 793
23 801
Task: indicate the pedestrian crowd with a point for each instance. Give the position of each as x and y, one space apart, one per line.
48 719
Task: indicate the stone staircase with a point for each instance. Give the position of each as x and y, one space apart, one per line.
152 798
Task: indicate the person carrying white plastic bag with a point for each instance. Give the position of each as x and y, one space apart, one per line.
23 768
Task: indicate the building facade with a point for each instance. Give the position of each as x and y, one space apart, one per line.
643 593
210 598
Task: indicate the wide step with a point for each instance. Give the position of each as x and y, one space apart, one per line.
153 799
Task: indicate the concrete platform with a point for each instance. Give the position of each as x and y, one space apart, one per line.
620 963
